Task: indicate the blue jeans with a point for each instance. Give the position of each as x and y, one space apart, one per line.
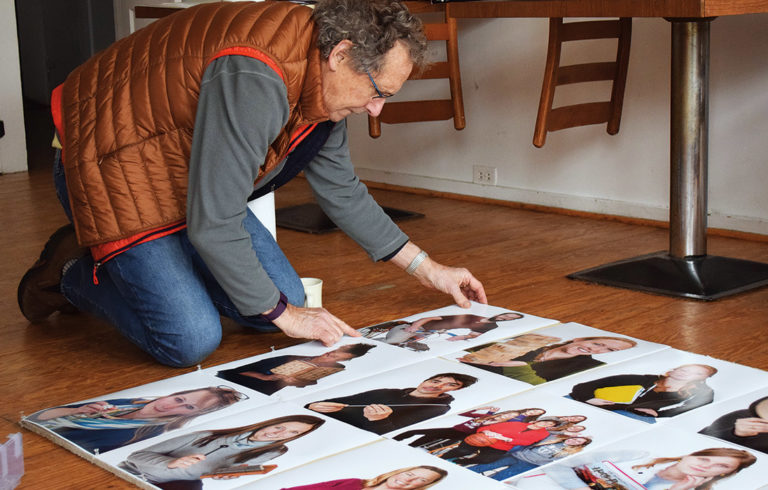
161 295
513 465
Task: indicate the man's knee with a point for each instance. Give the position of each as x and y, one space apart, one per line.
186 351
186 341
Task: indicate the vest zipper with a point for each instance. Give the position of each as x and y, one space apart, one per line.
148 237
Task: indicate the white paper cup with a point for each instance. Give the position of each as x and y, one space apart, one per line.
313 291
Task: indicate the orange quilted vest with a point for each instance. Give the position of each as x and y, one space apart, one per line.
125 117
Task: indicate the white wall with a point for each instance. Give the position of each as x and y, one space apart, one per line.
13 146
502 61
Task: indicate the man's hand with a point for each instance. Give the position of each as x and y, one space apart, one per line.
326 407
313 323
376 412
750 426
457 282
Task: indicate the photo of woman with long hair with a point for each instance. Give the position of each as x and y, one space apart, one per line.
182 461
100 426
698 470
553 361
413 478
648 396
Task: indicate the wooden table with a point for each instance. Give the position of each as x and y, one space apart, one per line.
685 270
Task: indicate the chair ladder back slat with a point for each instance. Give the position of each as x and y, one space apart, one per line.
430 110
551 119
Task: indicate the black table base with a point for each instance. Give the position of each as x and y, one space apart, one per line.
704 278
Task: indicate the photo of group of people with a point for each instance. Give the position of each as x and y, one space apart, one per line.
515 434
452 398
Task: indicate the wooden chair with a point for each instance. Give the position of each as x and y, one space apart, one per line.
570 116
429 110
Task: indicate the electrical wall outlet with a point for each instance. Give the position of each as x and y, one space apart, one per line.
482 174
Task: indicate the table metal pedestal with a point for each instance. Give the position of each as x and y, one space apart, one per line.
686 270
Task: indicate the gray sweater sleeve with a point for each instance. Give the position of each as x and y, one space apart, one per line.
242 107
346 200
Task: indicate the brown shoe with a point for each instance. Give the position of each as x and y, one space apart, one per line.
39 291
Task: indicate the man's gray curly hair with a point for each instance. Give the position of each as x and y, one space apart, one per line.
373 27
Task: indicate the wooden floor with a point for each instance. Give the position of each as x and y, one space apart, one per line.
522 257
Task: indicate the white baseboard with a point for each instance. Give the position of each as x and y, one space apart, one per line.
746 224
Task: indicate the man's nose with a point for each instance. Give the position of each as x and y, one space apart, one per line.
374 106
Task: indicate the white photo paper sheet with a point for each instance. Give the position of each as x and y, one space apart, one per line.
291 435
742 420
585 426
377 460
395 399
637 388
306 368
452 328
655 459
551 353
102 424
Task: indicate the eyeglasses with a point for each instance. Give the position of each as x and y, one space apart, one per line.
379 94
239 396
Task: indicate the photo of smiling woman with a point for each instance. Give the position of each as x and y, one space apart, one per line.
553 361
108 424
413 478
699 470
180 462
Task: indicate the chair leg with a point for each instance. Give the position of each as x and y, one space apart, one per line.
549 82
374 126
454 77
620 80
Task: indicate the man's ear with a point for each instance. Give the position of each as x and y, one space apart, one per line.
339 53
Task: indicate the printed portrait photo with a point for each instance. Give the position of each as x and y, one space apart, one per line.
230 452
662 385
311 366
452 328
662 458
126 417
380 465
396 399
552 353
516 434
742 420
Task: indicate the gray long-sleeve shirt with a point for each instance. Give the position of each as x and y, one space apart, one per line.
152 463
243 106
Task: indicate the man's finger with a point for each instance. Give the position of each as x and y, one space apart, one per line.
347 330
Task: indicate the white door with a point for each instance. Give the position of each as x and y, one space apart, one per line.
13 146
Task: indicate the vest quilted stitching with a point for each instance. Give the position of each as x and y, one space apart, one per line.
129 111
